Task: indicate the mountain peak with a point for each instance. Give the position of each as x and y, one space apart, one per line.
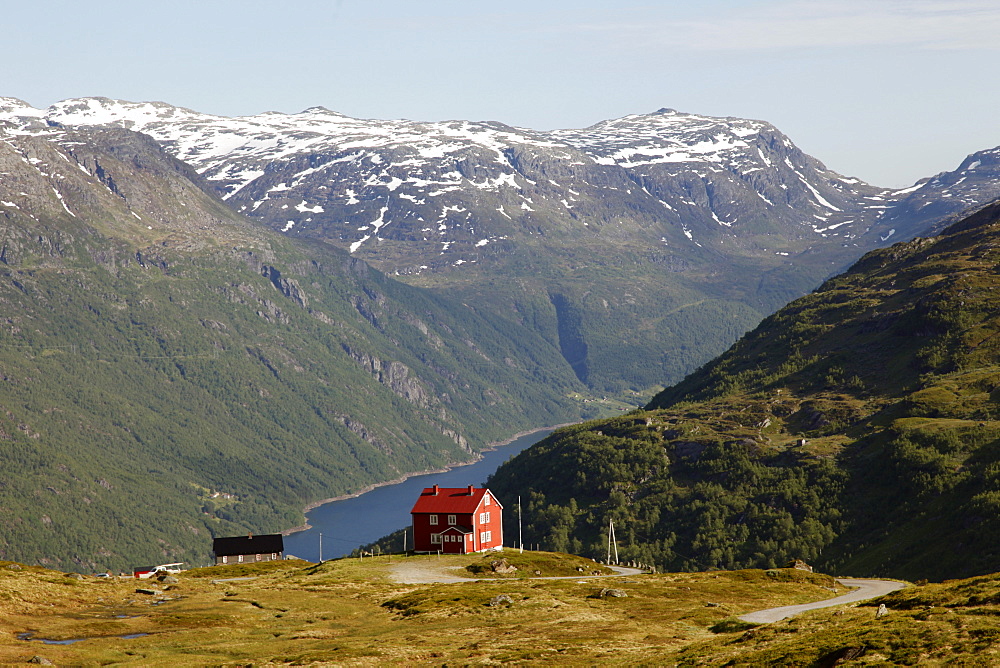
319 109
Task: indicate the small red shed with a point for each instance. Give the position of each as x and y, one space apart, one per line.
457 520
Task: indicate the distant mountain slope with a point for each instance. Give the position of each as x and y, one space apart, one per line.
640 247
932 204
170 371
857 428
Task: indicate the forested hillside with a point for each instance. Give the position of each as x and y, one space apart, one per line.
858 428
169 371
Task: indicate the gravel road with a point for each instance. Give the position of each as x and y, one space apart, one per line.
866 589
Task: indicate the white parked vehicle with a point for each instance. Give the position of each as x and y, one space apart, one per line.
171 569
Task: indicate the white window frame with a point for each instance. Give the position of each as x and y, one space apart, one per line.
433 519
240 558
486 500
435 539
452 521
225 559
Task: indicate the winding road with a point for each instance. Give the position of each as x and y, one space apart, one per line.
862 590
865 589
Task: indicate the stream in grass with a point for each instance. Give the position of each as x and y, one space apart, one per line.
350 523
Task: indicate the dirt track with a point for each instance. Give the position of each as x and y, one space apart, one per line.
866 589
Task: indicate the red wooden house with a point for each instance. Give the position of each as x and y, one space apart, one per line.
457 520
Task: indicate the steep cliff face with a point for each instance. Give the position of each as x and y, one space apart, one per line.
156 348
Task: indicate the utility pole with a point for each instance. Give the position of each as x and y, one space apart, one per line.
404 541
321 547
520 539
612 540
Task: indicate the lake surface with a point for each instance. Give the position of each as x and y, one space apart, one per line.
350 523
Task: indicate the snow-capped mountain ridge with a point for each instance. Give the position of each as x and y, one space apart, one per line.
319 168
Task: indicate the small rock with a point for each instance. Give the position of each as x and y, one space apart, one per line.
711 605
168 579
14 567
501 599
75 576
502 566
882 611
149 592
538 572
41 660
612 593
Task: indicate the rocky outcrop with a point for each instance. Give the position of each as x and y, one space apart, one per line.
396 376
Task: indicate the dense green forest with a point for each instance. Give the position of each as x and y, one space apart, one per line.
858 428
170 372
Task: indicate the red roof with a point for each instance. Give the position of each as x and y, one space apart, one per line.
450 500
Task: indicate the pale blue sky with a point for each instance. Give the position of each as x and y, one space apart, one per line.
886 90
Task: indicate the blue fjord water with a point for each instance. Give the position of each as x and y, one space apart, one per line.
350 523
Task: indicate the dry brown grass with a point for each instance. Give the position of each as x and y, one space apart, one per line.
349 612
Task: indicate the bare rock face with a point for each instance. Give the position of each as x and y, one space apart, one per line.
502 566
396 376
800 565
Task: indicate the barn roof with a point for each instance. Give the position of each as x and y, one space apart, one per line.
268 543
451 500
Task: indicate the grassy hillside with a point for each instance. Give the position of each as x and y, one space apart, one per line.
353 612
948 624
858 428
170 372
